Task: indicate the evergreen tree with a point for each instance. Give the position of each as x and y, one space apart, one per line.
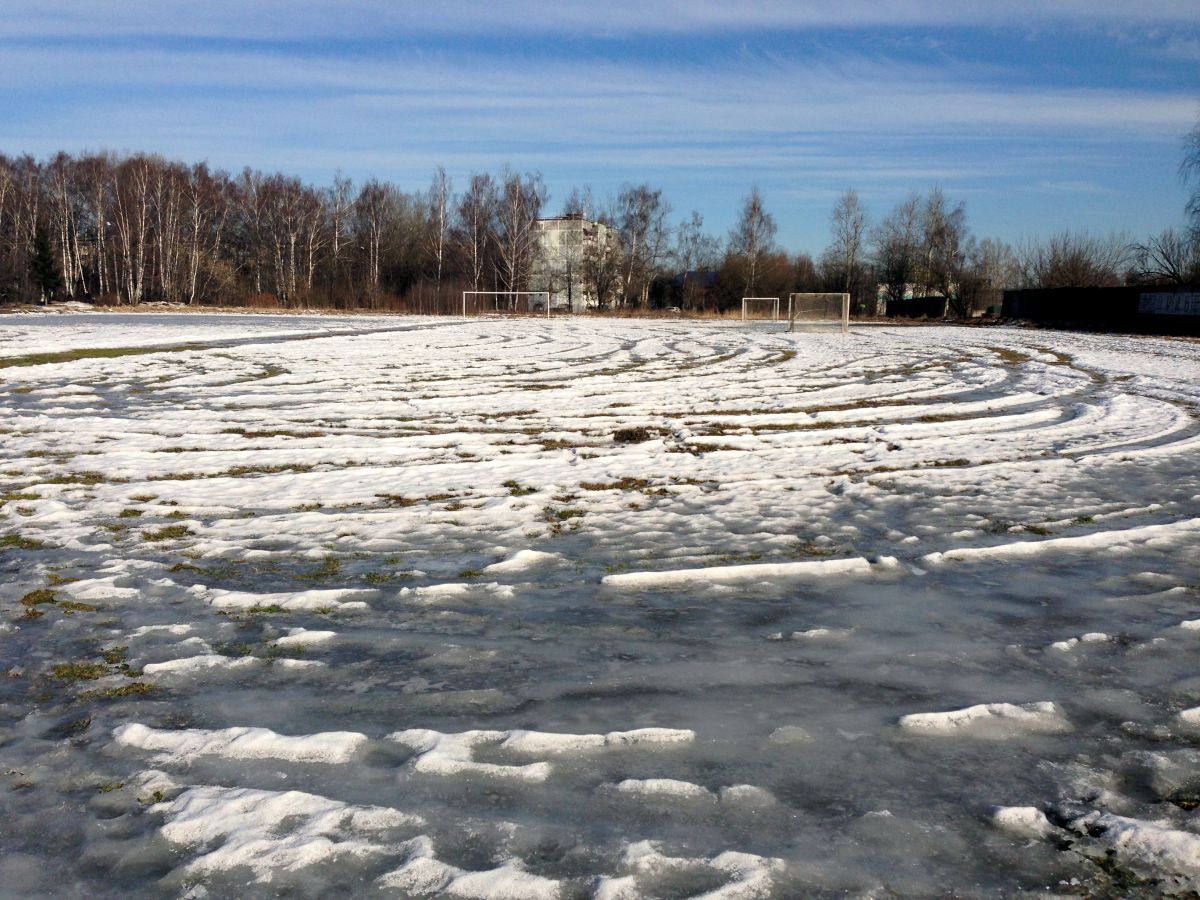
43 268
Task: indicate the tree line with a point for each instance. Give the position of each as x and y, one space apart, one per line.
128 229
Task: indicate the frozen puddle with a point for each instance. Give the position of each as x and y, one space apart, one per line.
590 607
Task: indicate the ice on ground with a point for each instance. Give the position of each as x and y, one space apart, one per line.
270 832
424 875
790 734
664 789
991 720
188 744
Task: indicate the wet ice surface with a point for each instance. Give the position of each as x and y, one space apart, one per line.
391 612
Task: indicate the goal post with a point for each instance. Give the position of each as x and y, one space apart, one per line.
749 304
819 310
505 303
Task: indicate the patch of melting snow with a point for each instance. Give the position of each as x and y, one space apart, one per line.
342 600
184 745
424 875
523 561
269 832
818 568
990 719
746 875
302 637
435 593
216 663
453 754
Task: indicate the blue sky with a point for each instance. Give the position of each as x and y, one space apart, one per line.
1039 116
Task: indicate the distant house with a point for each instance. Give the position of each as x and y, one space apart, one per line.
566 246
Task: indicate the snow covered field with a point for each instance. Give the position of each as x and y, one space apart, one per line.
526 609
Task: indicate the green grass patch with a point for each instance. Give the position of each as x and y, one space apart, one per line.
621 484
74 606
633 435
133 689
129 513
20 542
12 496
41 359
330 567
516 490
79 478
1012 357
79 671
167 533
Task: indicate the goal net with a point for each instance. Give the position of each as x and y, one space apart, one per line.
818 311
506 303
760 308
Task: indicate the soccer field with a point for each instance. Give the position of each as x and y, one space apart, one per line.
570 608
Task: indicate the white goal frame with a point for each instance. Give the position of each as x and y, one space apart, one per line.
793 307
774 308
467 294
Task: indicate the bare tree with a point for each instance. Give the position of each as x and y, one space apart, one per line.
896 248
948 244
438 236
520 205
1169 256
1189 171
849 227
641 220
752 239
1073 259
476 230
371 211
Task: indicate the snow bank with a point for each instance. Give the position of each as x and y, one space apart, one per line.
240 743
990 719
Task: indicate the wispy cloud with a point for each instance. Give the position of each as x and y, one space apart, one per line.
320 19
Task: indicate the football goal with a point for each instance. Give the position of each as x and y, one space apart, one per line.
506 303
818 311
760 308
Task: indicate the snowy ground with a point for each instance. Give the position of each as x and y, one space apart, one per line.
321 606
